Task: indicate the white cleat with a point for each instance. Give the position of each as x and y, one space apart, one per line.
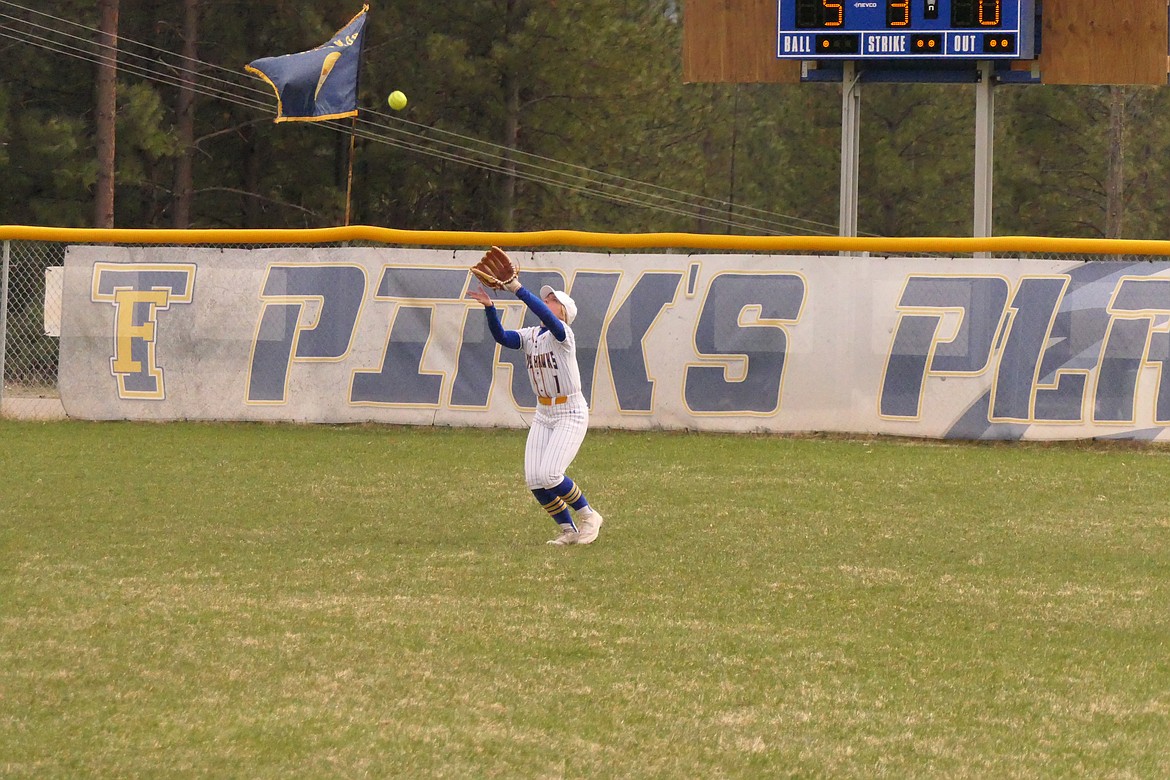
566 536
590 527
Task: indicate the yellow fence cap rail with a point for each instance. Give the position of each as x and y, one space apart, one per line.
579 238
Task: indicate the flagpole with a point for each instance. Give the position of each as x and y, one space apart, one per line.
334 67
349 175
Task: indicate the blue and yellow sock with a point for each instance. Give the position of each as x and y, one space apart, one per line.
571 494
556 507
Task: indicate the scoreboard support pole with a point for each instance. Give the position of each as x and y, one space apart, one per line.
1088 42
984 148
850 147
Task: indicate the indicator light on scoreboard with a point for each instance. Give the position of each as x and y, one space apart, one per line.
999 43
926 44
931 10
838 44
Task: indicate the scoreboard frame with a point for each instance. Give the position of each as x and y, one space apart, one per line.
905 29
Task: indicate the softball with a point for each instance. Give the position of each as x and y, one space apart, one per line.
397 100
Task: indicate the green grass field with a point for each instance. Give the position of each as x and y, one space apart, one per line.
268 601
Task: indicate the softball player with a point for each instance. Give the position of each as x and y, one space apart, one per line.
562 416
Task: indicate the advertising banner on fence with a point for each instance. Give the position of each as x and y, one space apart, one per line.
927 347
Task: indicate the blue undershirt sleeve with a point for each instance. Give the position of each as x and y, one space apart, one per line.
509 338
550 320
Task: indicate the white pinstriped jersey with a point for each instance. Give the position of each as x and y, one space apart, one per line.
552 364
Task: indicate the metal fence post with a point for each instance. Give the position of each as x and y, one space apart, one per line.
4 255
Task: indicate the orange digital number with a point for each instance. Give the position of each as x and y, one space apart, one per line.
898 13
830 7
992 8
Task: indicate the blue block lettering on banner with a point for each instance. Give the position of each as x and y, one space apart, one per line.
1015 394
475 367
1130 345
919 349
624 336
593 292
401 380
743 316
308 315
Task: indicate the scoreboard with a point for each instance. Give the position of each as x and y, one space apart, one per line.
906 29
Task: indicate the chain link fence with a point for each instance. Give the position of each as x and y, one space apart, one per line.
30 314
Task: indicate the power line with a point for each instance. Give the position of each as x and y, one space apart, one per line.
578 178
393 131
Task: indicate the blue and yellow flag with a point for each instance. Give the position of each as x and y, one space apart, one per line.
318 84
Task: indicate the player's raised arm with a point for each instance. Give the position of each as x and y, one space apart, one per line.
543 310
508 338
500 272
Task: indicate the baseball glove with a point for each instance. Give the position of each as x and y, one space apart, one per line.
496 269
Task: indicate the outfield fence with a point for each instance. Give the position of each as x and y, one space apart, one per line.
29 347
1003 337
